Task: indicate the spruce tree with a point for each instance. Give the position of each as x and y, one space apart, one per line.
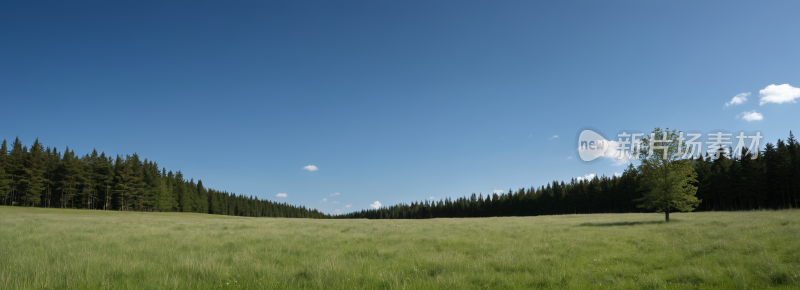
35 170
5 186
5 181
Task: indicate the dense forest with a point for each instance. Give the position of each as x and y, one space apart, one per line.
724 184
44 177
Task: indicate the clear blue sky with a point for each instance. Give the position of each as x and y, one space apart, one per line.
393 101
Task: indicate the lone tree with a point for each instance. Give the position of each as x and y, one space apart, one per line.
667 176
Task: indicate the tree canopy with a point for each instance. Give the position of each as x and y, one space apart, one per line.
43 176
724 184
667 179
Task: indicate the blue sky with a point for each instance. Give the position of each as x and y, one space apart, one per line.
392 101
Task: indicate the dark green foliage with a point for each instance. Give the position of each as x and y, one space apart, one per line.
725 184
46 178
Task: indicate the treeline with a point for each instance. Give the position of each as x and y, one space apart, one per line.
724 184
44 177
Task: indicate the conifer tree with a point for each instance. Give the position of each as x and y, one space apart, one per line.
5 182
35 171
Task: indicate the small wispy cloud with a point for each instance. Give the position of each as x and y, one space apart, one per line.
778 94
750 116
589 176
334 201
554 137
498 191
617 174
349 205
376 205
281 195
334 194
737 100
310 168
336 210
569 157
323 200
432 197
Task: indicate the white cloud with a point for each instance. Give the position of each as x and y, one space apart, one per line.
750 116
779 94
376 205
432 197
323 200
310 168
281 195
337 210
587 177
334 194
334 201
617 174
498 191
569 157
554 137
349 205
738 100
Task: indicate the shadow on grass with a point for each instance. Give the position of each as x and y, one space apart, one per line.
616 224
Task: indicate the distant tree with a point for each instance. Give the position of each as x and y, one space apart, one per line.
784 170
5 185
34 169
794 152
5 182
666 178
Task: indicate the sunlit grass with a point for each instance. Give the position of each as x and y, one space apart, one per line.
81 249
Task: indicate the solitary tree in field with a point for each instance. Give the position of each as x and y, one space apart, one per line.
666 176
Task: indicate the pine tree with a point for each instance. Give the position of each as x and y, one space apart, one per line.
5 181
794 155
783 166
16 169
5 186
163 197
34 170
202 197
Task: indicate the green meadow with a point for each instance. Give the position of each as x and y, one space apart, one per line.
87 249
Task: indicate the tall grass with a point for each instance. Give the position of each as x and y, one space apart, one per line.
82 249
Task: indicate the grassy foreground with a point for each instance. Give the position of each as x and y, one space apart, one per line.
82 249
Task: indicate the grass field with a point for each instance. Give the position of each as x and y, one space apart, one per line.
81 249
